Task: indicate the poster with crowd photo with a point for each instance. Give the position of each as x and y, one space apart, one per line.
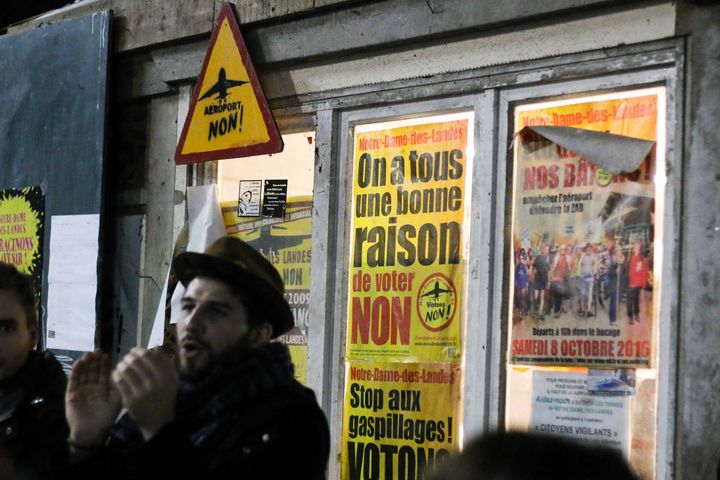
583 281
406 263
399 418
286 242
22 222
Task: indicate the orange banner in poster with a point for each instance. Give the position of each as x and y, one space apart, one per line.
633 116
398 419
286 243
583 256
406 265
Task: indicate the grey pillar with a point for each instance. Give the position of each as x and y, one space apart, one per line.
698 396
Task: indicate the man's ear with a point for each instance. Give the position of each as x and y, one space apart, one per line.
34 336
261 334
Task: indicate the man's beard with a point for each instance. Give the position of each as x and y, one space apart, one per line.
214 358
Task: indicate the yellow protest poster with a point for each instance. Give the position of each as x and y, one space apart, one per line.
398 419
286 242
406 262
583 260
22 214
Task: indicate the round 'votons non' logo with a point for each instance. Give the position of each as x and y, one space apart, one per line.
603 177
436 302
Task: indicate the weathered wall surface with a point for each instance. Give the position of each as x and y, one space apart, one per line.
698 370
142 23
160 46
298 30
52 125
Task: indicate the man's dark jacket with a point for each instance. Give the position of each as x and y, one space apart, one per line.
248 418
36 429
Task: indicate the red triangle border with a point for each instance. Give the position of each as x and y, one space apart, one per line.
273 145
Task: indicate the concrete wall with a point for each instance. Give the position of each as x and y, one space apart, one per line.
698 369
160 47
283 45
143 23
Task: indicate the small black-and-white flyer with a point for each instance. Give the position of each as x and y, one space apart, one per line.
249 198
274 198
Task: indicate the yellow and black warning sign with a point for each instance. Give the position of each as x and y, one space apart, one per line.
229 116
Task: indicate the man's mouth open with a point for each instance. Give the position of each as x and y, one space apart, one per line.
191 350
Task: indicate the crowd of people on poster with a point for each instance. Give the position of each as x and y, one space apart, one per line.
583 279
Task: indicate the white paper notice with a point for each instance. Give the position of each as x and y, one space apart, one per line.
72 282
206 225
157 334
562 406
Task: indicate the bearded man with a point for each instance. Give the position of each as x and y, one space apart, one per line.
230 409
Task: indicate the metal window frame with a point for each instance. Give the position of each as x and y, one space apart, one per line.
337 312
490 93
671 78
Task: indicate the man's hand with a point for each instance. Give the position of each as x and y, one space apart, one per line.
91 402
148 381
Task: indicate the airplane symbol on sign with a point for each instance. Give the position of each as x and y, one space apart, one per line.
221 87
435 292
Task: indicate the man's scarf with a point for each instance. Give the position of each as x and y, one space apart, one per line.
237 380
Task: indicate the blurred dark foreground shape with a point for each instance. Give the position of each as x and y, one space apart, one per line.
528 456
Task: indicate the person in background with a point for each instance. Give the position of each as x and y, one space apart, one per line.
603 263
587 270
233 409
637 280
559 279
521 282
614 275
541 268
32 383
530 456
531 279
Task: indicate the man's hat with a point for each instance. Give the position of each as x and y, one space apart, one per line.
233 261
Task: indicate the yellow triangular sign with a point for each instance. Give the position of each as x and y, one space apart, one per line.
229 116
